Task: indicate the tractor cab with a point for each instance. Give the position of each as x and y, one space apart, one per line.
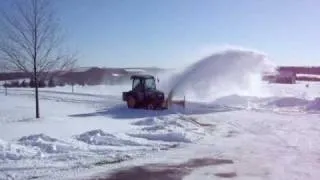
143 83
144 93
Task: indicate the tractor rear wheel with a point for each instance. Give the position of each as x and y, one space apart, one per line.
131 102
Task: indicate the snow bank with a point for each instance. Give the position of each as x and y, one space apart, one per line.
314 105
168 137
235 101
288 102
160 121
98 137
46 144
175 128
145 122
224 73
10 151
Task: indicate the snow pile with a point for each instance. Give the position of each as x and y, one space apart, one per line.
173 129
236 101
314 105
145 122
288 102
167 137
10 151
46 144
99 137
221 74
159 121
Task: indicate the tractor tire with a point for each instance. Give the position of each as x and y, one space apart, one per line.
131 102
150 106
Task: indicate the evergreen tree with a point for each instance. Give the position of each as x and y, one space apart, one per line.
23 84
31 83
51 83
42 83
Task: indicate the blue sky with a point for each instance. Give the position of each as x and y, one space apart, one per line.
171 33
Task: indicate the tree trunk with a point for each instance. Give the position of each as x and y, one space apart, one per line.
36 89
37 98
35 51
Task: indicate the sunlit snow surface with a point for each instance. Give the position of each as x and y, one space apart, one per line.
268 131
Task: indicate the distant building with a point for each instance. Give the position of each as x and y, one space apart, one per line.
286 77
282 77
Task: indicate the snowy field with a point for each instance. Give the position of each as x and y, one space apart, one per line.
233 127
84 135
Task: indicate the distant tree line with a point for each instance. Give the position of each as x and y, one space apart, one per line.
31 83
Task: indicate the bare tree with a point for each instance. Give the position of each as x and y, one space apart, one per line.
32 41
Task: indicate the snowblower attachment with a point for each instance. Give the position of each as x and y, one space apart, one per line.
169 101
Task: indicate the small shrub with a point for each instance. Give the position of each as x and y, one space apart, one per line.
31 83
51 83
42 83
61 84
24 84
6 85
15 84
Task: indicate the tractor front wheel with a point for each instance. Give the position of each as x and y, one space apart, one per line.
131 102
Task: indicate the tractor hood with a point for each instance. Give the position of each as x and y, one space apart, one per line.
156 93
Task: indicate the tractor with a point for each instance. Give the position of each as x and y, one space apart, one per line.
144 93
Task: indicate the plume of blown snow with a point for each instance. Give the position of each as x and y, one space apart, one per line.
227 72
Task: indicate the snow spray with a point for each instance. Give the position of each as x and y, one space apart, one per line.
227 72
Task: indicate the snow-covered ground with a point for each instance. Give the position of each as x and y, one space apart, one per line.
83 134
79 131
234 126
